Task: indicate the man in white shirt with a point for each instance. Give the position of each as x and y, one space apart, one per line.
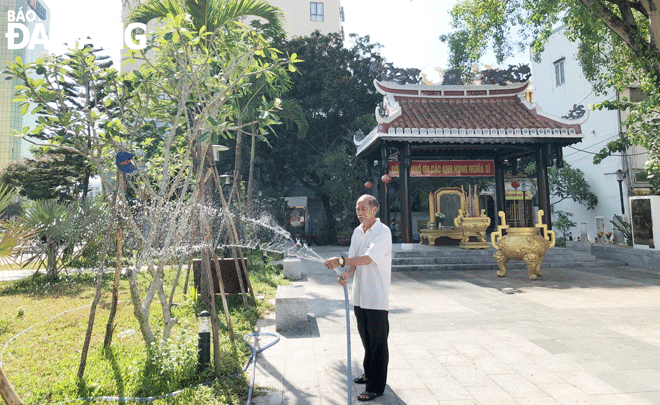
370 258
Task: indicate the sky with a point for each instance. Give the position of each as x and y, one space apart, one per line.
408 30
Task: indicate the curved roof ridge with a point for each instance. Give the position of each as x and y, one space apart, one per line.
439 90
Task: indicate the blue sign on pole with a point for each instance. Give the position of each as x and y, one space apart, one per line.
124 163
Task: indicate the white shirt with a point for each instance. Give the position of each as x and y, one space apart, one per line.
371 283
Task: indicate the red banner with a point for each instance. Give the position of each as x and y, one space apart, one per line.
446 168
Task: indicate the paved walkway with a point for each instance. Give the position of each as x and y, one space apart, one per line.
585 336
11 275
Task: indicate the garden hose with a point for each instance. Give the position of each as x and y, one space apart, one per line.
253 359
349 377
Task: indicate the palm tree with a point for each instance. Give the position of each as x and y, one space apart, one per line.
215 15
12 233
218 16
217 24
288 111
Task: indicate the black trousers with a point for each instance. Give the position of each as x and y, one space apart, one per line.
374 329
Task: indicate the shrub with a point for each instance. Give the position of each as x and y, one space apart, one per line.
563 223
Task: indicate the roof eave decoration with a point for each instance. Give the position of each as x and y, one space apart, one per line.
367 140
544 116
388 110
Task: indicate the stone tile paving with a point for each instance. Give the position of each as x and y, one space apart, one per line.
578 335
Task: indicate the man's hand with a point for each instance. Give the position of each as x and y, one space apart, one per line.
332 263
342 279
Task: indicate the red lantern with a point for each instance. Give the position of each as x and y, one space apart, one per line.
385 178
515 184
368 185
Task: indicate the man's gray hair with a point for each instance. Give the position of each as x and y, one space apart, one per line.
371 200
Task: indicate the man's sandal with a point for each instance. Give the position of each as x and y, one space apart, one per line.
361 380
368 396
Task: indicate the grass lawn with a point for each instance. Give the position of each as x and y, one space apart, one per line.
42 362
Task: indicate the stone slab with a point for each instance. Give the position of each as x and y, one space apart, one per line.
292 268
291 308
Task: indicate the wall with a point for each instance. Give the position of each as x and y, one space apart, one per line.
600 128
297 15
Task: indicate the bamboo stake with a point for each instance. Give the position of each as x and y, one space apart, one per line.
110 326
7 392
185 285
176 282
233 235
99 286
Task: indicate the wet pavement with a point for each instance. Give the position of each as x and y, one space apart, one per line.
588 335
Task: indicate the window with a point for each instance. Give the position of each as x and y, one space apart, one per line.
316 12
559 72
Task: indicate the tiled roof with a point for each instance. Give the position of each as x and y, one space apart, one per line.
464 114
467 113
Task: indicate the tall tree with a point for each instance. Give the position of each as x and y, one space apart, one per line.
12 233
338 97
567 183
56 174
183 92
619 48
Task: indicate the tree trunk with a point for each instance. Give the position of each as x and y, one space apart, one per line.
176 282
51 260
168 320
97 296
110 327
7 392
250 189
85 185
329 217
141 313
238 156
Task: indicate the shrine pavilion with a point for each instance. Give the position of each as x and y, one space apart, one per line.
430 128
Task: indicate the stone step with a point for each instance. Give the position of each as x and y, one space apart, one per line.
513 264
458 252
462 256
411 261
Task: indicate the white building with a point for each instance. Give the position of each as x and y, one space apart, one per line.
11 147
559 84
302 17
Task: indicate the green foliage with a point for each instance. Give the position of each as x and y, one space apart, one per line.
193 295
560 242
568 183
337 96
618 50
169 368
41 363
167 111
563 222
64 232
12 233
623 226
57 174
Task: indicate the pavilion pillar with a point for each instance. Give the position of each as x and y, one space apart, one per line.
500 190
542 184
383 198
404 178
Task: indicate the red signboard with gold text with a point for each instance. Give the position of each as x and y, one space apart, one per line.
446 168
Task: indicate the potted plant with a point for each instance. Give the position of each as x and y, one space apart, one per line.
624 227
